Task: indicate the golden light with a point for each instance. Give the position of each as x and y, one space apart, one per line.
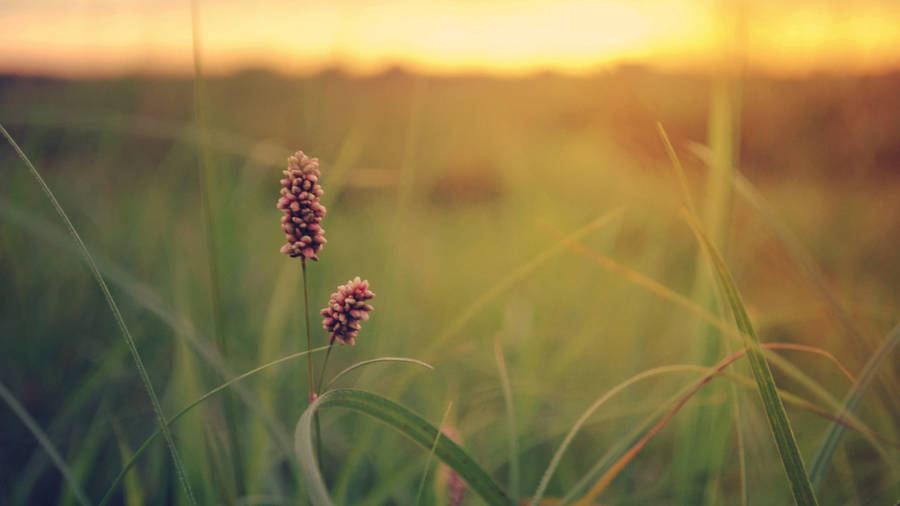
503 37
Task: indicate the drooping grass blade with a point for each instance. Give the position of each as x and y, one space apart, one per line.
407 423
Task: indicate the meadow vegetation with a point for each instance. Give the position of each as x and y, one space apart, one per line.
570 280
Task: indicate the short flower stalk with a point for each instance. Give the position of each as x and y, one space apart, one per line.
342 318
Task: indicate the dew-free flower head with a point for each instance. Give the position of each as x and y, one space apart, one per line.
302 210
346 310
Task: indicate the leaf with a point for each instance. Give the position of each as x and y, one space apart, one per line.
404 421
775 413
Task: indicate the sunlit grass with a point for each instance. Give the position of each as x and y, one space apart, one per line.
540 271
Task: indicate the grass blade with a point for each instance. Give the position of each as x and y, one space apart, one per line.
836 430
133 460
840 311
775 413
138 362
403 420
376 361
510 420
45 442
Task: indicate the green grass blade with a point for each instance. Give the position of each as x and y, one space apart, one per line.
45 442
403 420
775 413
510 420
375 361
836 430
126 334
108 496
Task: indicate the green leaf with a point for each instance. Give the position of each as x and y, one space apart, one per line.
403 420
836 430
775 413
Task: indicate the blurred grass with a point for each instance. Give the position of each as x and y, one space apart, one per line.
438 190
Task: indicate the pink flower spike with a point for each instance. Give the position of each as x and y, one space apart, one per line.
346 309
302 210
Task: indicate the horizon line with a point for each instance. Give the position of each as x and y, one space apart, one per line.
393 68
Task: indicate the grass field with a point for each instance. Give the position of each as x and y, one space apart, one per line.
525 237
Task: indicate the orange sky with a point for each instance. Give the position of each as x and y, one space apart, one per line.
91 37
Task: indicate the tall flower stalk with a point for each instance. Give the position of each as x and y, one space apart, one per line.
303 213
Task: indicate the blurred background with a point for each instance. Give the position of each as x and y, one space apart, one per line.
459 143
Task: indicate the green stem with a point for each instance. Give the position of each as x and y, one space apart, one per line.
319 392
309 361
324 365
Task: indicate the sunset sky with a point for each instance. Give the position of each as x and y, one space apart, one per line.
93 37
